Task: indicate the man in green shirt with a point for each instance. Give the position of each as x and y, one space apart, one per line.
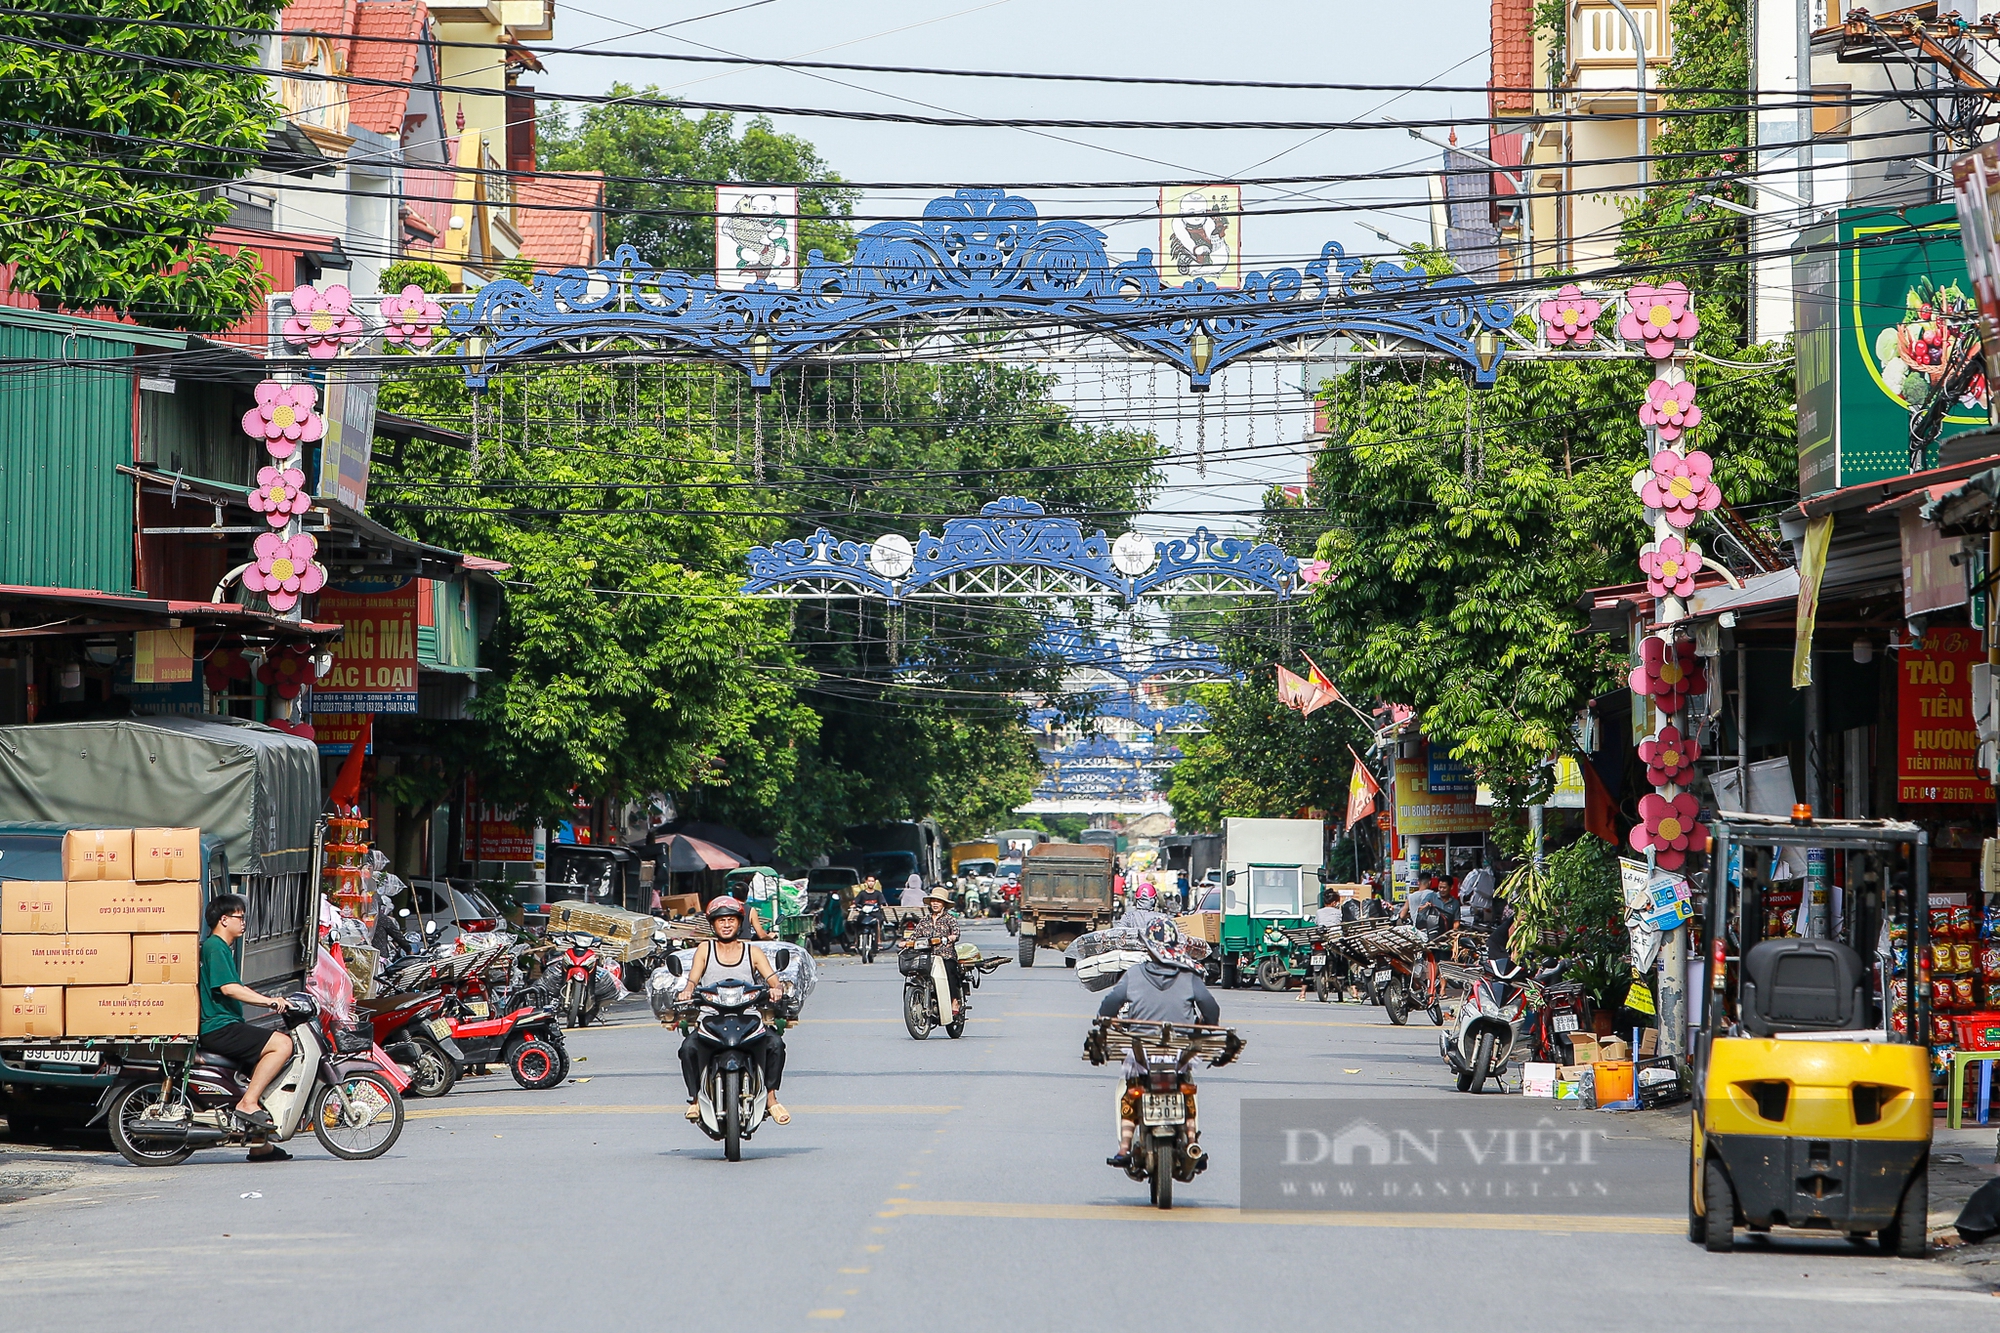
223 1030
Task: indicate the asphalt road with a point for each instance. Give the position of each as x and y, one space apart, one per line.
948 1183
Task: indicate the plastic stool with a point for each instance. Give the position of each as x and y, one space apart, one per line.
1954 1115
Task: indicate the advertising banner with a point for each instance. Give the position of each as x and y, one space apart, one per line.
1901 313
375 662
350 437
499 835
337 732
1421 811
163 657
756 236
1936 746
1199 235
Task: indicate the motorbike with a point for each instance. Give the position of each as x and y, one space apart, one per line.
414 1030
726 1018
1010 897
1479 1044
923 1008
1165 1144
868 930
499 1024
1565 1009
1319 966
160 1110
580 1000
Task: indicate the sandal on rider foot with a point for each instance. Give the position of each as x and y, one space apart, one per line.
1121 1161
694 1111
778 1114
257 1119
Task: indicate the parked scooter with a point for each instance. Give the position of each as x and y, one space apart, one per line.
160 1111
415 1031
581 997
1478 1045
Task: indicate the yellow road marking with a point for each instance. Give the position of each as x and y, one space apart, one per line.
853 1270
826 1314
1083 1212
443 1112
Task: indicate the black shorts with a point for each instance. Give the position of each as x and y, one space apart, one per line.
240 1042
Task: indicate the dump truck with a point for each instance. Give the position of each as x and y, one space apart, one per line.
1065 893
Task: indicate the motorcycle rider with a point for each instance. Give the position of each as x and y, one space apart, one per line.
725 958
1166 988
870 895
939 929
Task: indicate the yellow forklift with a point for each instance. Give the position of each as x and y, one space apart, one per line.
1812 1070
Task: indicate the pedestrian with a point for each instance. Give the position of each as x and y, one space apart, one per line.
1477 891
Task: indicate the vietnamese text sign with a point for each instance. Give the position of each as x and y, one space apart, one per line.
336 732
1422 811
162 656
1936 747
499 835
350 437
375 662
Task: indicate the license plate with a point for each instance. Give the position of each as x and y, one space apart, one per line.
76 1059
1565 1023
1164 1108
440 1028
1318 961
1383 976
477 1008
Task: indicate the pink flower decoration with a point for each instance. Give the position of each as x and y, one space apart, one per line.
1670 409
285 569
322 322
412 317
280 495
1667 674
1312 571
1570 317
1669 827
1670 567
1658 316
1669 757
284 418
1682 485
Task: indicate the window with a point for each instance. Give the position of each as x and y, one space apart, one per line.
1833 110
1274 891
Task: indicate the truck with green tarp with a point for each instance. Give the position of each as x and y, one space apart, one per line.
253 791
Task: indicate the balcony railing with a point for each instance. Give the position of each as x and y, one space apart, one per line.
1600 41
499 189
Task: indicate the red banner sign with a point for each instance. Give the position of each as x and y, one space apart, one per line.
1936 747
375 662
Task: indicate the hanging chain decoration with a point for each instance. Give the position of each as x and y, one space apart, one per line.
757 426
1201 436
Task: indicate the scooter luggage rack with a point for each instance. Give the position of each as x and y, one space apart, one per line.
1366 941
1307 936
1190 1041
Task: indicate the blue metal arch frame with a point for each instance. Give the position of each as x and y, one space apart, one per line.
1107 752
1123 707
981 254
1016 534
1079 648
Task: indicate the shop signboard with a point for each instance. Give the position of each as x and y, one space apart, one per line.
336 733
349 442
1884 304
375 662
1936 746
1450 775
500 835
1422 812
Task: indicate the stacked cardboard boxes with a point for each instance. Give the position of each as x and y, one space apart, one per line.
112 950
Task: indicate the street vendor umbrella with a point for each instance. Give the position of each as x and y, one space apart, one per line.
687 855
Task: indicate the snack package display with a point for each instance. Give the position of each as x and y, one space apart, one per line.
1989 923
1962 993
1963 924
1941 957
1942 1029
1961 957
1899 992
1940 994
1987 961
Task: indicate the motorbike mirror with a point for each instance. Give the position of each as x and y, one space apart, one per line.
430 927
659 937
673 965
782 959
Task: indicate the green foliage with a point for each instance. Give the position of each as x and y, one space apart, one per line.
109 166
1576 901
658 150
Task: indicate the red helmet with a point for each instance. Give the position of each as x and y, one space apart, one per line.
725 906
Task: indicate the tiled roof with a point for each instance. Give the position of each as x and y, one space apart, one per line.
559 219
1513 55
377 108
328 16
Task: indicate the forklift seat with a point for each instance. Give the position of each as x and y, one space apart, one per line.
1803 986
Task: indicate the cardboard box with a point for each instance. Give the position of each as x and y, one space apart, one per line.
1582 1047
33 907
1538 1080
1614 1048
31 1011
101 853
141 909
1201 925
1649 1042
673 906
132 1011
166 854
166 960
65 960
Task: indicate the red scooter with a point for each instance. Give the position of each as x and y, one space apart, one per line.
578 999
493 1024
415 1031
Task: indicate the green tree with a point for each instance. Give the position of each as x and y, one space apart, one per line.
651 152
110 163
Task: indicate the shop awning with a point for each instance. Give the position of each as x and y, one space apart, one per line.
47 612
685 854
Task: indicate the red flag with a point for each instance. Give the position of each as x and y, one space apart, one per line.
1295 691
1362 791
346 793
1600 812
1319 678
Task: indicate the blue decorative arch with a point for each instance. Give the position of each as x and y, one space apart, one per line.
1123 707
1079 648
981 255
1014 549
